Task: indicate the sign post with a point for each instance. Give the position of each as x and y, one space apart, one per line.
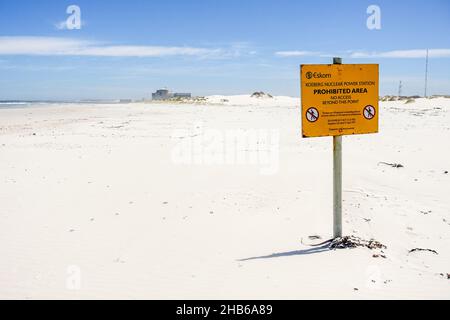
339 100
337 179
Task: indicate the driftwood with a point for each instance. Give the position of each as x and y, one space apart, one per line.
393 165
420 249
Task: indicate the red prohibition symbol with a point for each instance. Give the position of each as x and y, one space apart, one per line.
312 115
369 112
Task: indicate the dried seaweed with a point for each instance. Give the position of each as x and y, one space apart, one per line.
351 242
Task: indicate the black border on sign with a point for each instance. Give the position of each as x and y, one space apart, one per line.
318 115
374 110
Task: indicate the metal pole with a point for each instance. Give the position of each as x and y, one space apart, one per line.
337 179
426 75
337 186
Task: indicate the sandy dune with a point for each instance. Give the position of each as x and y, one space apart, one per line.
95 203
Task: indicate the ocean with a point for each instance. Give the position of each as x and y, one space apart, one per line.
10 104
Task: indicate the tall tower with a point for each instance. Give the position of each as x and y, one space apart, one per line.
426 75
400 87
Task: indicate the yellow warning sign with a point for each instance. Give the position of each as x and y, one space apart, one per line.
339 99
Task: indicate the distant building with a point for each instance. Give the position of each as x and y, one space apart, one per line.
164 94
182 95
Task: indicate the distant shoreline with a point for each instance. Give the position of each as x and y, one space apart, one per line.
232 100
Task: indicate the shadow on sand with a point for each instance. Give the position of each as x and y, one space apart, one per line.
324 248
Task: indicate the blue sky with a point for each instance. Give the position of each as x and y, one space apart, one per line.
127 49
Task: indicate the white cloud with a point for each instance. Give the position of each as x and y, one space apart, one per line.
142 51
404 54
296 53
53 46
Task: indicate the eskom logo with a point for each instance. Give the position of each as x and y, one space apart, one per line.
317 75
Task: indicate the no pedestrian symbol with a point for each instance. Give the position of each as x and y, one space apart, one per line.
369 112
312 115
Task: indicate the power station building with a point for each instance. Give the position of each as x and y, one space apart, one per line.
165 94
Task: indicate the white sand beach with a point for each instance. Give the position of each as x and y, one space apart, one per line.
96 202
